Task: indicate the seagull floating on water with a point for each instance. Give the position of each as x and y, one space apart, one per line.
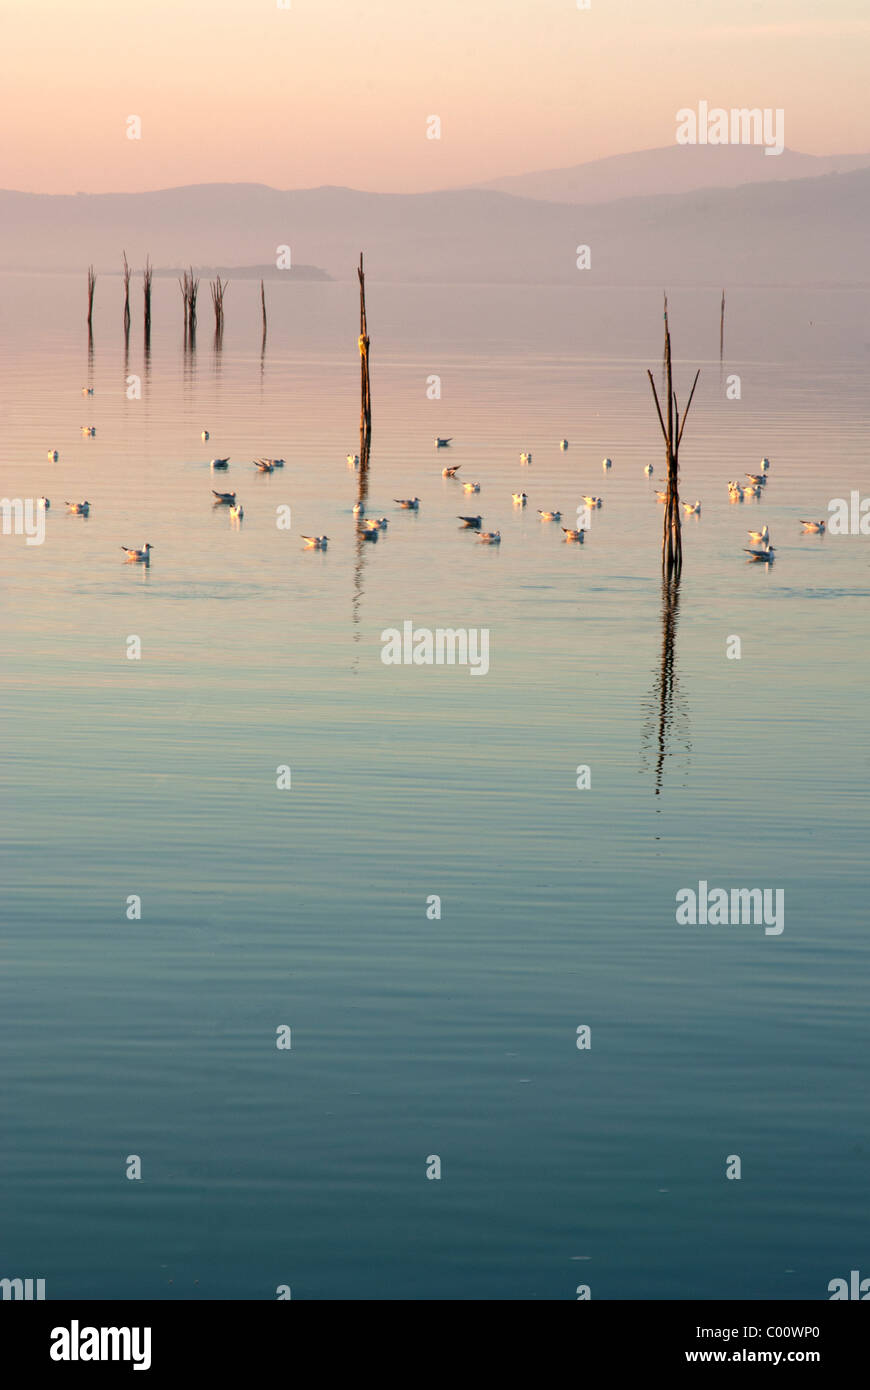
692 508
758 478
275 463
471 522
519 498
411 504
490 537
765 463
227 499
442 443
52 455
359 508
818 526
264 465
237 512
204 436
648 469
220 463
79 508
89 430
761 537
592 501
87 390
662 496
43 503
549 516
451 471
563 444
315 542
607 463
133 554
766 555
471 487
574 535
368 531
525 458
353 460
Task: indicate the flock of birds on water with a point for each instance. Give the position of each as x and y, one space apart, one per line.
370 527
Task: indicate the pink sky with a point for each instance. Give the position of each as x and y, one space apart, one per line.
339 91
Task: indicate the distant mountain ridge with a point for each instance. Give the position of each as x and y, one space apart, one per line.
791 232
672 169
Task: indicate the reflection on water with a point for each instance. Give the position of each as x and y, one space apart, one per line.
360 542
666 730
308 906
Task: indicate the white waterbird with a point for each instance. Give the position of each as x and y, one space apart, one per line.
817 526
220 463
133 554
471 522
442 443
692 508
52 455
237 512
79 508
549 516
451 471
519 499
490 537
607 463
761 537
315 542
592 501
766 554
574 535
471 487
225 499
411 504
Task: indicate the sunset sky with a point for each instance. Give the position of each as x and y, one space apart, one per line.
339 91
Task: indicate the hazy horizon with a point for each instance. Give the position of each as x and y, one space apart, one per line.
342 94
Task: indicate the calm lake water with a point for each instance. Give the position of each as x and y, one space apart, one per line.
307 907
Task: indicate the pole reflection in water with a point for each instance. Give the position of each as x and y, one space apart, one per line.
362 546
666 730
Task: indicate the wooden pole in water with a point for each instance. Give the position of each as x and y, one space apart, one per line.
127 273
722 329
672 432
365 415
263 305
92 281
147 275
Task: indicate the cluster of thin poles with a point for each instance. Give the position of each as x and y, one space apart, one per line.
218 289
189 286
